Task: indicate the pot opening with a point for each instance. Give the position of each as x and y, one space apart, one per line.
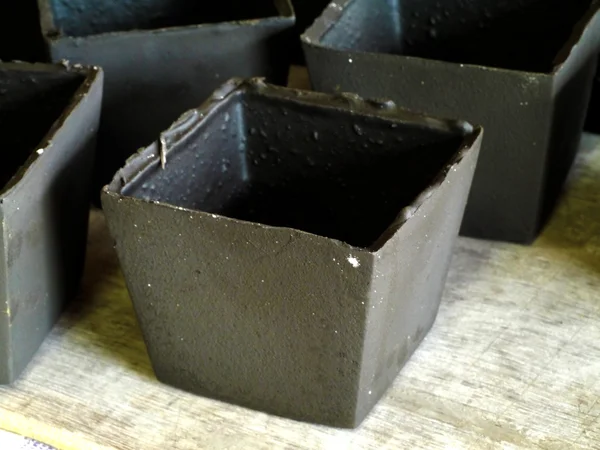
321 170
78 18
521 35
30 103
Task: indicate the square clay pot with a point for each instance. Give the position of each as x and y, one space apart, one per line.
163 57
291 254
521 68
592 121
49 117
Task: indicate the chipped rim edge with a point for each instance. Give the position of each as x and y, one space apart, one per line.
52 33
91 74
314 35
157 152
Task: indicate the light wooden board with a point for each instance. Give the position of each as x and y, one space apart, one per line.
513 361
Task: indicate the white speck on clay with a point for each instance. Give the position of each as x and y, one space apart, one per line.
353 261
350 60
370 392
214 216
39 151
149 285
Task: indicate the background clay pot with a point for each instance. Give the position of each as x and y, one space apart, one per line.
48 118
162 58
291 254
522 69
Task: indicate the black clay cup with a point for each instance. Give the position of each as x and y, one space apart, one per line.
287 250
48 119
521 68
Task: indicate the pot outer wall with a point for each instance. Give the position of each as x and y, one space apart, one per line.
44 229
532 121
152 77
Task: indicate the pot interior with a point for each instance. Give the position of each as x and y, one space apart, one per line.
512 34
30 103
79 18
281 163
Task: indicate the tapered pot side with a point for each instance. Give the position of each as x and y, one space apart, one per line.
162 58
49 119
286 250
521 69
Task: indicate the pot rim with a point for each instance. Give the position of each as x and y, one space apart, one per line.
92 75
52 33
190 121
314 35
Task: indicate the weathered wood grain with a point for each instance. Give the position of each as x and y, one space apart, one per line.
513 361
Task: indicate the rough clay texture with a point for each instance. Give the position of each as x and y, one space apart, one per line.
48 118
152 76
274 308
451 60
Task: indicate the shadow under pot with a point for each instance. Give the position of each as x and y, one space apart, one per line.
306 12
20 35
49 117
287 250
163 57
592 121
522 69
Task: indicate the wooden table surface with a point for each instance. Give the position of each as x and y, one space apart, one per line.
513 361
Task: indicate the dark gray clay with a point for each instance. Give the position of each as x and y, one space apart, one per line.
48 120
522 69
163 57
291 254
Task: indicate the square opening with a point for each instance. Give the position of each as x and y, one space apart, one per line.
321 170
521 35
78 18
30 103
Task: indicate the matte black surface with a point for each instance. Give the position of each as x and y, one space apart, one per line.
48 121
287 250
522 69
153 74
